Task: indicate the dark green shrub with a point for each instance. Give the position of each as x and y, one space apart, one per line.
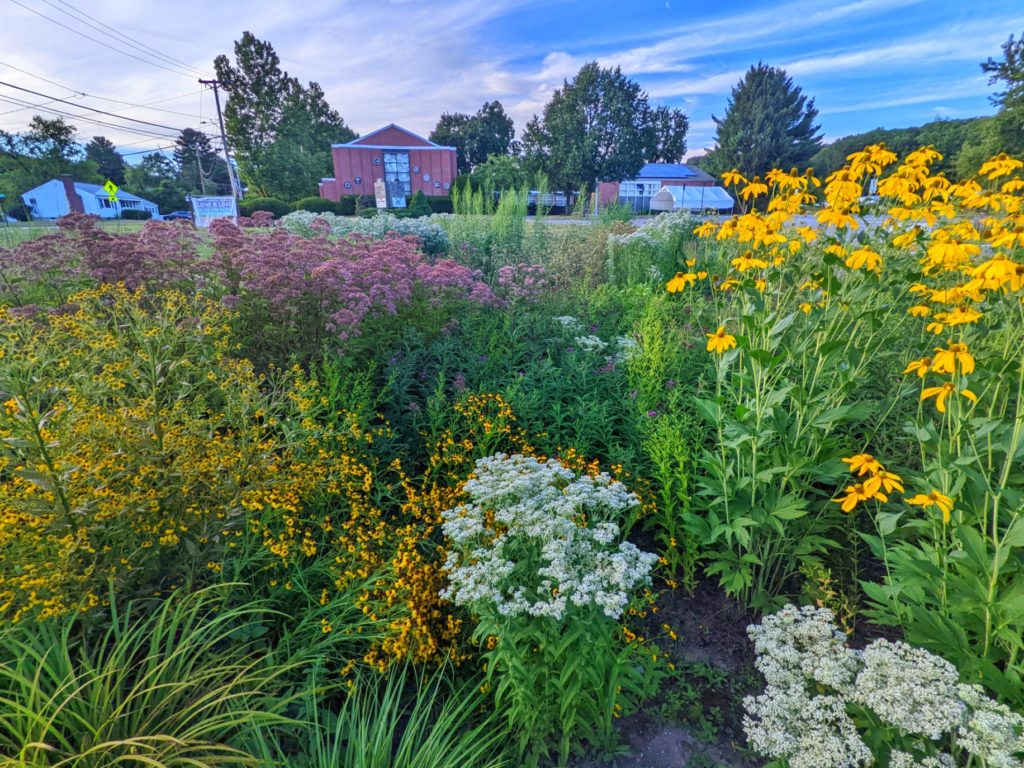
316 205
440 203
19 212
136 215
418 206
346 206
368 213
272 204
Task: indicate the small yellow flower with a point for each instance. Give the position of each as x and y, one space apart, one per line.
947 360
933 499
919 310
720 341
857 493
922 366
865 259
680 281
863 463
942 393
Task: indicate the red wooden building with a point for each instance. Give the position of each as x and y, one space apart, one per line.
404 161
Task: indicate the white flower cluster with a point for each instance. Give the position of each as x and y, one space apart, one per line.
810 731
991 729
910 688
623 348
900 759
800 652
537 539
432 235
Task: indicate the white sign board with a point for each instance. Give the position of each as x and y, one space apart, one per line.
206 209
380 191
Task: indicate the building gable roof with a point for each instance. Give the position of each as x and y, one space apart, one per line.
389 136
673 171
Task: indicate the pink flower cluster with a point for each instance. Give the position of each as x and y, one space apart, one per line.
524 282
346 279
334 282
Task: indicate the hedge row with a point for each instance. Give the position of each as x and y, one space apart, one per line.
344 207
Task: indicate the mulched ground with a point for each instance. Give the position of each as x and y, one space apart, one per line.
711 631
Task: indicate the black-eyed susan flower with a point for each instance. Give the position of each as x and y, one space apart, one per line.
863 463
921 367
720 341
955 355
680 281
857 493
942 394
934 499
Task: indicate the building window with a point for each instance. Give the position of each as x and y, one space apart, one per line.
638 194
399 180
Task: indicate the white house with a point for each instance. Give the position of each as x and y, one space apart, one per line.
59 197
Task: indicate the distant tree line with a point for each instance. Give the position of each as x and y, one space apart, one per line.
600 125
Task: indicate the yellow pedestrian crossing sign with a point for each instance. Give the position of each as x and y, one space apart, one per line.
111 190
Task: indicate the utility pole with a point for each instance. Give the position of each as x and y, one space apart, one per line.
236 188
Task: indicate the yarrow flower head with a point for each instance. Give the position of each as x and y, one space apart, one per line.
537 540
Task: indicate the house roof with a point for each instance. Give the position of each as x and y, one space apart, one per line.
416 142
673 171
95 189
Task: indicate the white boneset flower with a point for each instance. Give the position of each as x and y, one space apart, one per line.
909 688
900 759
991 731
806 731
536 518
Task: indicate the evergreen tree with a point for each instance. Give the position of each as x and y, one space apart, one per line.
599 127
768 123
1008 126
201 169
108 160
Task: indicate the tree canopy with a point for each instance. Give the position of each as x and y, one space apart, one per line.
108 160
46 150
1007 128
477 137
200 168
280 132
600 127
768 123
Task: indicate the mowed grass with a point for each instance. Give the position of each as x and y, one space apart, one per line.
23 231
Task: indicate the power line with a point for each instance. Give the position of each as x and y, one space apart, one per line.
99 26
127 129
79 92
101 42
91 109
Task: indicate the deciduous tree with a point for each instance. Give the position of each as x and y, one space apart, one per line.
476 137
600 127
281 132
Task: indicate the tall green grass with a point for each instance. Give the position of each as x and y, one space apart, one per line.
168 684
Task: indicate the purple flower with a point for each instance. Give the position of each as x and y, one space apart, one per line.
670 383
652 414
459 383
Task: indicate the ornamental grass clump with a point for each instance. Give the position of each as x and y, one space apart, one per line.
536 556
829 706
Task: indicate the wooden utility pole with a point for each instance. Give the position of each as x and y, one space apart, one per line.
236 187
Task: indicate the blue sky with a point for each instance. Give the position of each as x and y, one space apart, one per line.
867 63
